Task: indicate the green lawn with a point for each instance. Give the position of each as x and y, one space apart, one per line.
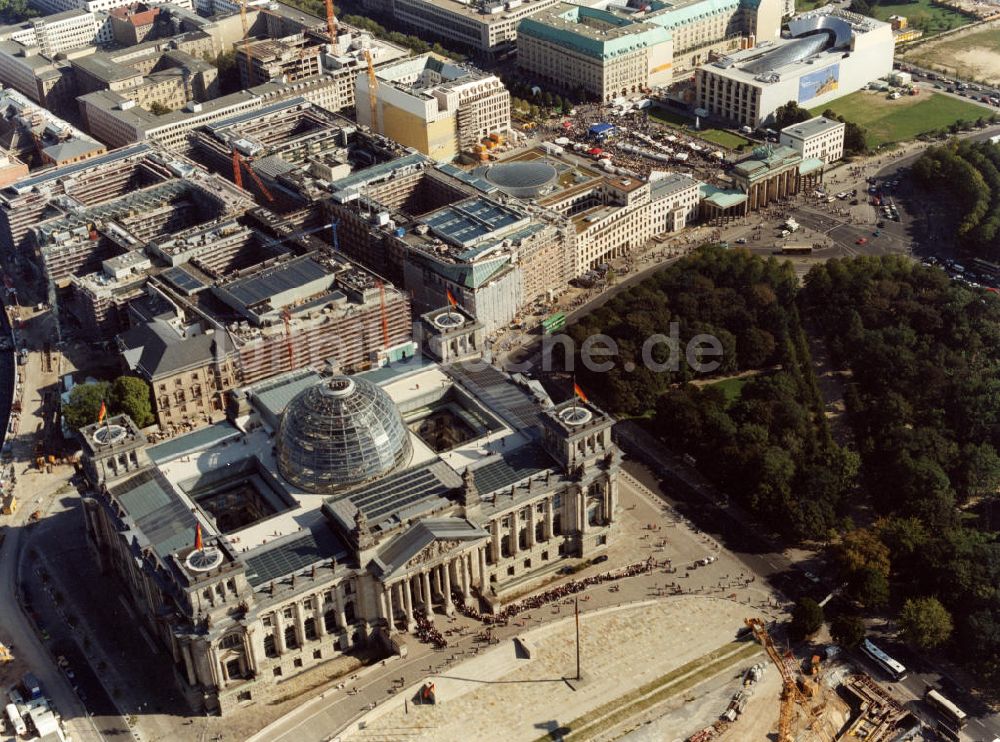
732 388
677 120
933 19
903 119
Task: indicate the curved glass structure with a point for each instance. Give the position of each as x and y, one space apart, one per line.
339 433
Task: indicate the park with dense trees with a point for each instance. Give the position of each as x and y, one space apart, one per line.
923 354
905 504
966 176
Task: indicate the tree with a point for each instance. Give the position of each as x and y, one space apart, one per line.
158 109
847 630
925 623
15 11
130 395
85 404
869 588
862 549
789 114
807 618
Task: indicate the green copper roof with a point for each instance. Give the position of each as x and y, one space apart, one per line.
595 33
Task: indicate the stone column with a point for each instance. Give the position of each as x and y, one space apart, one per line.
279 632
408 602
482 569
531 525
548 517
463 575
341 614
318 617
449 607
300 625
496 541
425 579
436 581
188 663
390 612
514 527
381 603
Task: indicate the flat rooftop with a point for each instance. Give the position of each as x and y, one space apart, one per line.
812 127
595 32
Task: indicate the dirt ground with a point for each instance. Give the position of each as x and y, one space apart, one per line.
971 55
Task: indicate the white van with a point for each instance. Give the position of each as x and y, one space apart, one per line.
15 720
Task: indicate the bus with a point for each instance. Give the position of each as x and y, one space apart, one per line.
947 710
796 249
553 323
887 664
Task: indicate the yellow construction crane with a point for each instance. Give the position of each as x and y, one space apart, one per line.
789 689
246 41
331 24
5 655
372 90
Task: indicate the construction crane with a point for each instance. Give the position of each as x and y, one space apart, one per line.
246 41
5 655
286 317
789 689
238 176
331 24
372 90
385 316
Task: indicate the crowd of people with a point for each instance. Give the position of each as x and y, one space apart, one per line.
554 595
428 634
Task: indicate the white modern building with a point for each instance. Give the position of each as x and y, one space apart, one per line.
51 34
829 53
102 6
819 137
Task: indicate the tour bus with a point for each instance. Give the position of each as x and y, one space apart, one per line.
796 249
947 710
887 664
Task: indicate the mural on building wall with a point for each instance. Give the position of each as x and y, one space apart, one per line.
819 83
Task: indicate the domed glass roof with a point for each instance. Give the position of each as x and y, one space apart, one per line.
341 432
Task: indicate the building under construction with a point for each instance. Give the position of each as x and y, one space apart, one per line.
310 311
75 241
290 151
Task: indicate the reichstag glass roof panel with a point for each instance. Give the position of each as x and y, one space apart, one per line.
340 433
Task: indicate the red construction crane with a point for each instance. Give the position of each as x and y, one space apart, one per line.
385 316
238 176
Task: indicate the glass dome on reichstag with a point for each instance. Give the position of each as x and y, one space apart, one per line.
339 433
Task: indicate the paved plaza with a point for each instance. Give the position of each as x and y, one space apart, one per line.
622 649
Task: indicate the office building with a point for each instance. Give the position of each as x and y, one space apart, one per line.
38 138
487 27
51 34
609 49
819 138
605 53
439 108
829 53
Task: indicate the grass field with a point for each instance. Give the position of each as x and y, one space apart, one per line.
731 388
903 119
972 55
936 18
677 120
